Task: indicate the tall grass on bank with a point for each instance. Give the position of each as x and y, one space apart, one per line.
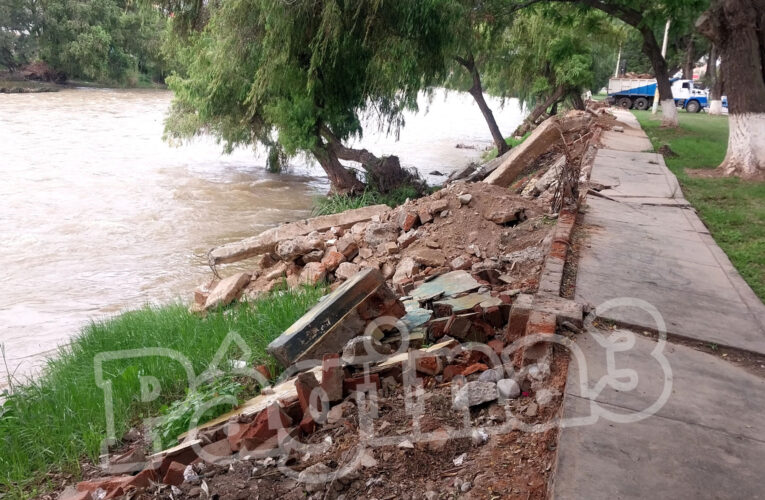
511 141
340 203
56 420
732 209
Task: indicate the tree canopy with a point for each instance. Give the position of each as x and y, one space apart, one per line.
300 75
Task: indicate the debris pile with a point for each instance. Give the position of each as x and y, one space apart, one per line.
481 228
430 369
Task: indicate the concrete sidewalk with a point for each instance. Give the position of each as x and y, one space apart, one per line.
666 421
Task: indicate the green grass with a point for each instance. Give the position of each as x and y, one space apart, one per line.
732 209
51 423
340 203
512 142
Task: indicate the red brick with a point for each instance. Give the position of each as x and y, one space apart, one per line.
352 384
541 322
429 365
452 370
493 315
437 328
424 213
474 368
174 474
305 384
266 424
307 425
332 375
332 260
409 221
216 451
497 346
263 370
559 249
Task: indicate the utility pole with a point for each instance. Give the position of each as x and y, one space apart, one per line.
664 55
618 61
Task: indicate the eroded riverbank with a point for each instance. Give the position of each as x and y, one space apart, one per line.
101 216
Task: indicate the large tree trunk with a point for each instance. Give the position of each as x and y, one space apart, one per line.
737 27
715 82
688 62
476 90
384 174
342 181
538 110
659 64
633 17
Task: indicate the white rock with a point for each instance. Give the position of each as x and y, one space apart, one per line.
465 198
475 393
508 388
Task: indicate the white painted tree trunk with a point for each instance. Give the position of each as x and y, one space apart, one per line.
746 146
668 113
715 107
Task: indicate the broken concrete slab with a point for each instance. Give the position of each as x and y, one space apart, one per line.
227 291
445 285
267 240
542 139
334 321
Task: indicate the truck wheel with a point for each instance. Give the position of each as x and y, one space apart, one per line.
625 102
641 103
693 106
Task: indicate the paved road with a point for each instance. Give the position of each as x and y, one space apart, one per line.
666 421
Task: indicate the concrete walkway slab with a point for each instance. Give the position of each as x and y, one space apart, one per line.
662 254
707 440
705 434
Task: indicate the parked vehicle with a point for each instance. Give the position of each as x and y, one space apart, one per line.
638 93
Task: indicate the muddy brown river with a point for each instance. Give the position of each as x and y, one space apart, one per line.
99 215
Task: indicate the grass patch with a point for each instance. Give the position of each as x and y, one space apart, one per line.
334 204
51 423
732 209
511 141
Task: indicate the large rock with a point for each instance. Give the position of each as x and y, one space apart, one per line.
405 270
313 273
289 250
267 240
347 270
227 290
428 257
377 233
475 393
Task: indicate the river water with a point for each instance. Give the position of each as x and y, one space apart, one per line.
99 215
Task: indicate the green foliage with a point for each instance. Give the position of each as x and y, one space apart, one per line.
18 20
264 71
177 417
511 141
732 209
109 41
340 203
549 46
59 418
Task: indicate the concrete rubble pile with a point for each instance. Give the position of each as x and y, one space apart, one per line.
431 303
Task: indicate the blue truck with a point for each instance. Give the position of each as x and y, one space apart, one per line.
638 93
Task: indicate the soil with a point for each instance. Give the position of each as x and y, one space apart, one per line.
513 463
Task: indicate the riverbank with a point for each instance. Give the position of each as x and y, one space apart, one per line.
50 427
489 235
732 209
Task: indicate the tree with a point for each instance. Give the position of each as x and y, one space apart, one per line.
478 28
737 28
644 15
101 40
18 20
552 56
298 76
714 81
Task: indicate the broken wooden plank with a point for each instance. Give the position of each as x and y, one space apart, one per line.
266 241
